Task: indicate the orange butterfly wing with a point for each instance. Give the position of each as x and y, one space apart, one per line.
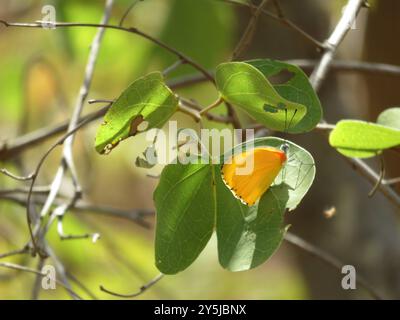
249 174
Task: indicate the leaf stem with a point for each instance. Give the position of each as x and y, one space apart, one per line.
211 106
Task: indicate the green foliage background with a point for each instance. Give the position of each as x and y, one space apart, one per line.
123 259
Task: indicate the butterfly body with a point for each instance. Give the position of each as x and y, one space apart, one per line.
249 174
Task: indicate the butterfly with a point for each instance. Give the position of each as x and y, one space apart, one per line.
263 164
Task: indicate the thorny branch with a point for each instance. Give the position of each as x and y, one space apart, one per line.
69 128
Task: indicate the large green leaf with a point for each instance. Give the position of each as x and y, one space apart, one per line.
147 99
184 201
390 118
248 236
296 89
359 139
246 87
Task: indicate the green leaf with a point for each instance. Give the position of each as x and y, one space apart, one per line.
147 101
246 87
297 89
390 118
248 236
184 201
359 139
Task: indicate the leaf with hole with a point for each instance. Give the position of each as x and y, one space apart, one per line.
293 85
246 87
147 103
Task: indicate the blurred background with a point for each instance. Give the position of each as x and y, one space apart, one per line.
41 72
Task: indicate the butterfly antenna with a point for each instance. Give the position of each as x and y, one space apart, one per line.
283 147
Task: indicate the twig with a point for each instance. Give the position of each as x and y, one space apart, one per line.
14 266
81 285
127 11
12 148
172 67
352 66
135 215
211 106
14 176
61 272
36 285
135 294
248 34
67 162
14 252
380 179
391 181
344 25
136 31
286 22
35 174
189 111
329 260
367 172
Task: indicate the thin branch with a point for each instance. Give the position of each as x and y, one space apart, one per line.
142 289
10 149
248 34
173 67
391 181
283 20
329 260
67 162
351 66
350 13
14 176
24 250
127 11
81 285
38 280
14 266
380 179
367 172
61 272
189 111
134 215
212 106
136 31
35 175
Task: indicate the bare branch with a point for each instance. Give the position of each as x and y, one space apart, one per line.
329 260
24 250
128 10
248 34
344 25
136 31
134 215
14 266
282 19
135 294
14 176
